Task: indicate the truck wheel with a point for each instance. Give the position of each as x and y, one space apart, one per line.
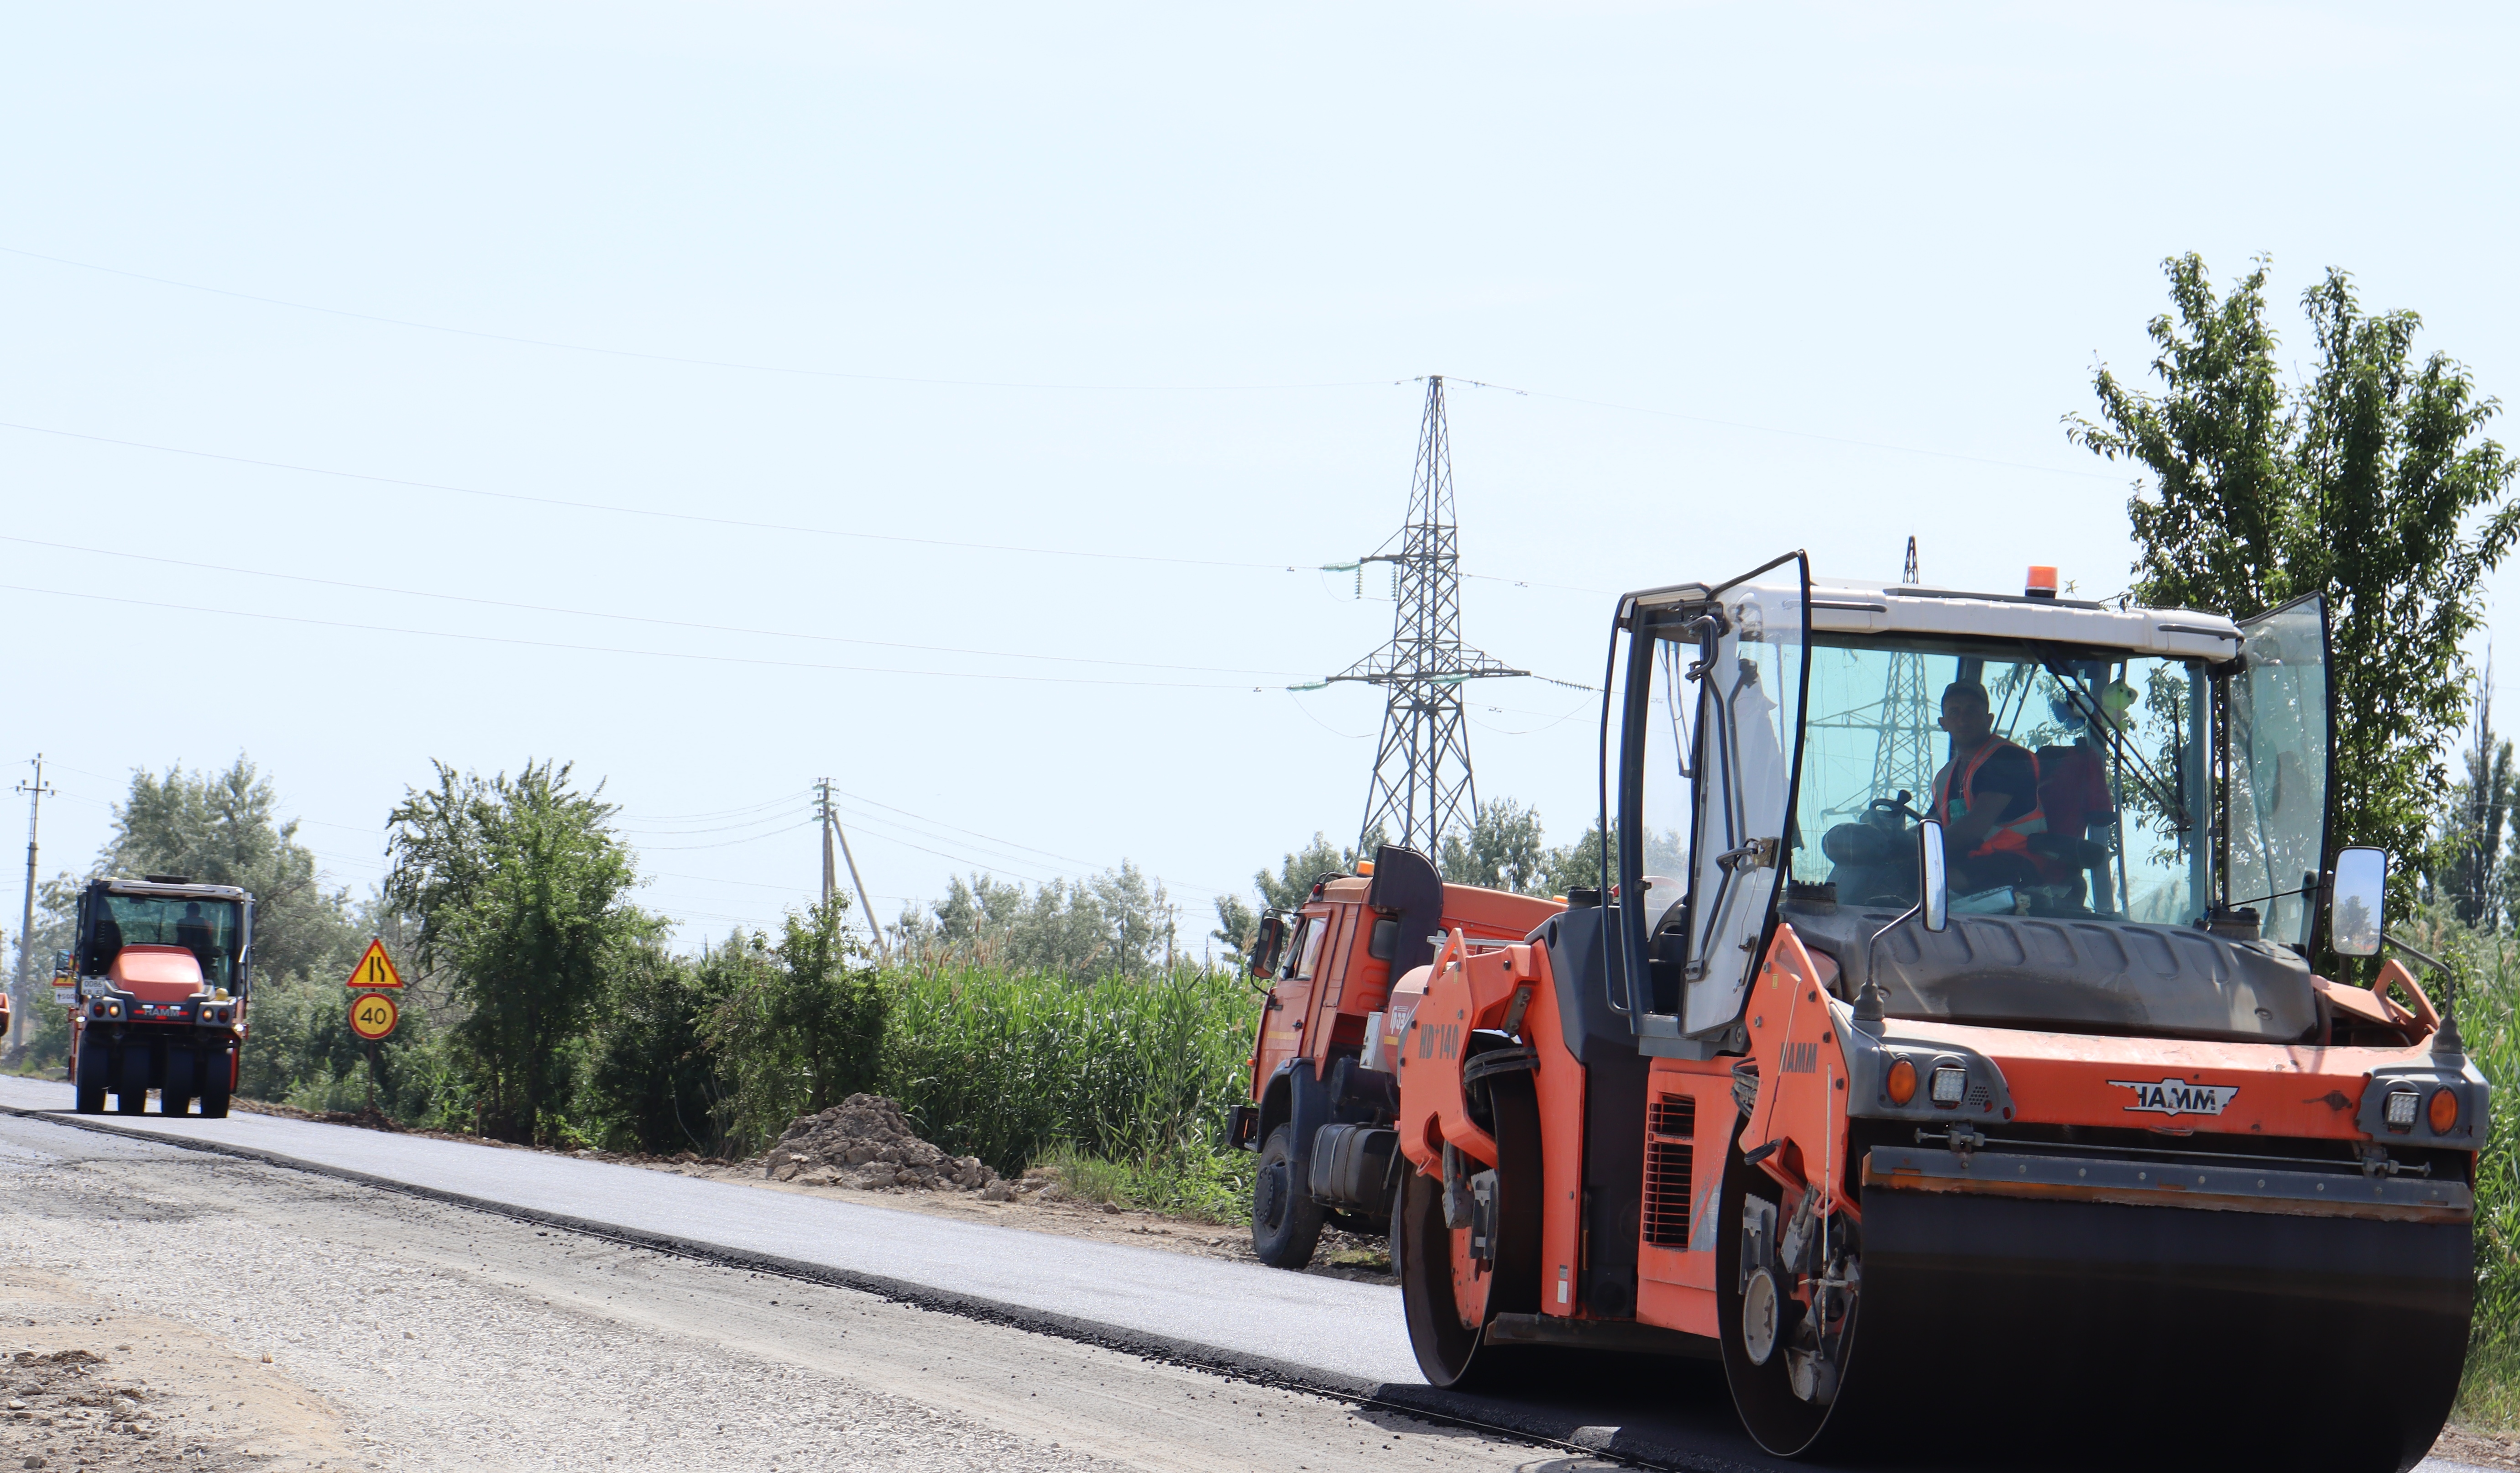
93 1067
131 1084
218 1066
1286 1221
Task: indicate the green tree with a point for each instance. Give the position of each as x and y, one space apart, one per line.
1237 921
2371 483
801 1025
1114 922
220 828
521 889
223 829
1503 851
2468 853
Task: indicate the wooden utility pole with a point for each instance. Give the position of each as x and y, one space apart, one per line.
831 829
35 793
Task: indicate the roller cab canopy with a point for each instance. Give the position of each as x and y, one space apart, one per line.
2136 801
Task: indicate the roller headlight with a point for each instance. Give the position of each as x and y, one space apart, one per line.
1951 1085
2399 1110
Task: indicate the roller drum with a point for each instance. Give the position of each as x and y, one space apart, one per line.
2262 1339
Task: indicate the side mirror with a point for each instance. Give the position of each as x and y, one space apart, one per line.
61 964
1933 881
2356 894
1264 945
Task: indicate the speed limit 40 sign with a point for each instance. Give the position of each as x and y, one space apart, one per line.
373 1016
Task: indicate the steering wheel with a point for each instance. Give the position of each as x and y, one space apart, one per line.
1891 808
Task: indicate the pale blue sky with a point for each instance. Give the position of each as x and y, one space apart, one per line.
1846 267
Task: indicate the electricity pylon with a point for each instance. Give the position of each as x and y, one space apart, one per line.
1903 756
1422 787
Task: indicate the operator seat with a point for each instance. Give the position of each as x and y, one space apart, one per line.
2074 794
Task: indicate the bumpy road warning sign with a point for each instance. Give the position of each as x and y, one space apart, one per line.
373 1016
375 969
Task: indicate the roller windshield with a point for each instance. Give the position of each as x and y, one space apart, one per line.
210 929
2069 779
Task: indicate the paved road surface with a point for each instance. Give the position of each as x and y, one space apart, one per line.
1325 1334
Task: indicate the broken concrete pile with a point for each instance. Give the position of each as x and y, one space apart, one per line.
863 1141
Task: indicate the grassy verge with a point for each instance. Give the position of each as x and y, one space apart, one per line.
2486 968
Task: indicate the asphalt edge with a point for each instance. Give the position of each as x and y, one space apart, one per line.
1426 1401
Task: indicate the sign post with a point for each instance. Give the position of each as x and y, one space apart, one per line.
372 1013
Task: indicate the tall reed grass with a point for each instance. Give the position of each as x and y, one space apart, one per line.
1011 1066
2485 980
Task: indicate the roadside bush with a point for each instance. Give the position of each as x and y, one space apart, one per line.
797 1028
655 1082
303 1052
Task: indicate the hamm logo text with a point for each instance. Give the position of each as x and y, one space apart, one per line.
2178 1097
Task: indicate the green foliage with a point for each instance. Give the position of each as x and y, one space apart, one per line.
2469 868
2370 482
302 1048
1212 1185
1113 922
2485 985
1502 849
520 892
653 1083
799 1027
221 829
1003 1065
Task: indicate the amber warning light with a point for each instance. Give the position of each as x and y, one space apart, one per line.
2042 582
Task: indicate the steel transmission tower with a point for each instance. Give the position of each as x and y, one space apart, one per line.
1422 773
1905 756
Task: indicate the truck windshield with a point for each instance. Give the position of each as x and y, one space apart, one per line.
209 929
2070 779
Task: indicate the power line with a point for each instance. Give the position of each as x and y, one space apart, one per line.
638 511
594 649
671 623
654 357
724 843
824 373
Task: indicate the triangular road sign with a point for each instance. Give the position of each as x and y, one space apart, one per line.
375 969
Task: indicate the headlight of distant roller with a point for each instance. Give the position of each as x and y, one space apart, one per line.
2441 1111
2399 1110
1951 1085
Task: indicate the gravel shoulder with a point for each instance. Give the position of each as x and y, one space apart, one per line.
409 1334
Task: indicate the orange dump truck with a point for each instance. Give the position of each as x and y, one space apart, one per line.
157 988
1323 1086
1948 1056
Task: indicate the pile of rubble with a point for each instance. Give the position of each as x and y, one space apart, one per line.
863 1141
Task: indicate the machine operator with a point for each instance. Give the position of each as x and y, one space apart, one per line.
1987 796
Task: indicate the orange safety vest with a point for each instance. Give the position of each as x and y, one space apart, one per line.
2012 836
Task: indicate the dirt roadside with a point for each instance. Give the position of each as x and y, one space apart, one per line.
90 1386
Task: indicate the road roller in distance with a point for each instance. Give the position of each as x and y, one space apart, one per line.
156 984
1946 1053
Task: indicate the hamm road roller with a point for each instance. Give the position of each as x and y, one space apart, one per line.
1946 1054
157 986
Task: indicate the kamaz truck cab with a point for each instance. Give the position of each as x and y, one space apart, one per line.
156 988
